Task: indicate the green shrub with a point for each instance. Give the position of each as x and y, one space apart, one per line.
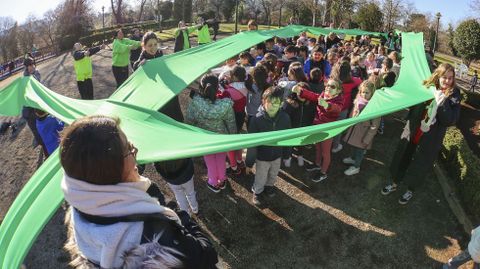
463 166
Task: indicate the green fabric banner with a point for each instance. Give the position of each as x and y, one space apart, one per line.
160 138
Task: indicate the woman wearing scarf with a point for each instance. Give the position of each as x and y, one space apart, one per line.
423 134
117 217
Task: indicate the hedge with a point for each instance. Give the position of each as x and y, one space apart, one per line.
463 166
99 36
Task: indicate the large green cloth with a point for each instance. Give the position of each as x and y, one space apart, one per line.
160 138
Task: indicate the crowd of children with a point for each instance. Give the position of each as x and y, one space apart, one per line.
288 83
276 85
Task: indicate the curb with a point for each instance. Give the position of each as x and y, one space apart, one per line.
452 198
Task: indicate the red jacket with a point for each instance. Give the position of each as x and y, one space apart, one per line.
347 92
239 100
323 115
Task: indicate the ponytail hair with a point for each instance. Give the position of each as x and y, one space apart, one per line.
209 87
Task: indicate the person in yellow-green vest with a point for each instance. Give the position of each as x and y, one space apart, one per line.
121 56
83 69
182 41
203 32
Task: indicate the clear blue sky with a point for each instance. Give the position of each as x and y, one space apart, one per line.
451 10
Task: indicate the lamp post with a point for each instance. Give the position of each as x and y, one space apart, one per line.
103 22
236 16
438 15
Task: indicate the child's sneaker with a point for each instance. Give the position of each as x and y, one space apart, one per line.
223 184
234 171
338 148
241 164
269 191
256 197
348 160
405 198
319 177
312 167
300 161
352 170
215 189
287 162
389 189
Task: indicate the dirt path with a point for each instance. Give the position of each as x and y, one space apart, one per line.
342 222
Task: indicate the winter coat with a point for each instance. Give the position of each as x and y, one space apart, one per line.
262 122
48 128
254 101
311 64
348 89
301 113
134 54
361 134
429 144
161 240
238 93
324 115
176 172
474 245
146 56
83 63
215 116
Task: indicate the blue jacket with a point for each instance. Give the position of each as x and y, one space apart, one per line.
310 64
49 128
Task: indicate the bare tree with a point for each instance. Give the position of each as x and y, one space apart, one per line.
26 34
393 11
7 25
117 10
313 6
217 5
142 6
267 9
47 28
253 8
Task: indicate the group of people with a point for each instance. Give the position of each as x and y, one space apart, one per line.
120 218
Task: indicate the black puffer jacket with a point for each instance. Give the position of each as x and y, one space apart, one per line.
262 122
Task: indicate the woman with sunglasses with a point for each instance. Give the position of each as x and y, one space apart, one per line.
330 103
116 221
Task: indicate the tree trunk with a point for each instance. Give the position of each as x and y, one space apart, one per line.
280 17
142 5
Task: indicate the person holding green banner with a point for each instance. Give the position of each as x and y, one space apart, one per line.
208 113
83 69
203 32
117 219
270 117
423 134
182 41
121 56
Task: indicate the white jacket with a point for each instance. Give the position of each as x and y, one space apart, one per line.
474 245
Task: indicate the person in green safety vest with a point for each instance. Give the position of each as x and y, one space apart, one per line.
121 56
83 69
181 36
203 32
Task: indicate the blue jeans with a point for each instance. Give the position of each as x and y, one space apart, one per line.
357 155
